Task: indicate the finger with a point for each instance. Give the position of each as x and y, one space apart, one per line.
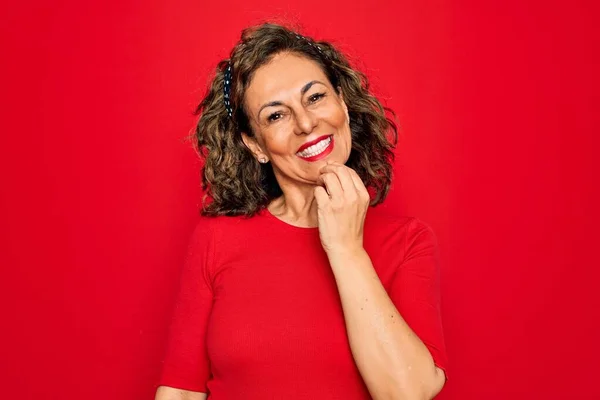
332 184
358 183
361 189
343 174
321 196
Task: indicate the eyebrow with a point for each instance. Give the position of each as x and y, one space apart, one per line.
304 89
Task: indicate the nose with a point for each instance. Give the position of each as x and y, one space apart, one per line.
306 121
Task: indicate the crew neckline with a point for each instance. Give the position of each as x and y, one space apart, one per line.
310 229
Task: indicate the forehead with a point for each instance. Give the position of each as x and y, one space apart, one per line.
283 76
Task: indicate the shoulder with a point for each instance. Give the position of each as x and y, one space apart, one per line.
406 234
202 229
409 226
225 228
210 241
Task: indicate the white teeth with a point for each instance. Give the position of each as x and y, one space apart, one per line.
315 149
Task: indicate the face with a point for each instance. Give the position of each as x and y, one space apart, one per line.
298 120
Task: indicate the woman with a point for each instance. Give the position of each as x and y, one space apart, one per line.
293 287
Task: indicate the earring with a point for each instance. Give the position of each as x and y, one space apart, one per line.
262 160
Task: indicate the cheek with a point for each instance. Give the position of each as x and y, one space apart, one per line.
336 115
277 142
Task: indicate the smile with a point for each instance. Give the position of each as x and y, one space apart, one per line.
318 150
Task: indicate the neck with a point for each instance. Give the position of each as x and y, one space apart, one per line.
297 206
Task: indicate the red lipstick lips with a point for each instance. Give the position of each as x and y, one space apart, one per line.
308 144
322 153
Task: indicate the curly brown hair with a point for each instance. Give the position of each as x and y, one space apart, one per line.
234 183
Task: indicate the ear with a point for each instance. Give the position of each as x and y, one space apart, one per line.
253 145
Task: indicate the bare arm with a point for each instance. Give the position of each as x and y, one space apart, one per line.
169 393
392 360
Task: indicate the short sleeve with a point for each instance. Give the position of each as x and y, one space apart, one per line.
415 290
186 365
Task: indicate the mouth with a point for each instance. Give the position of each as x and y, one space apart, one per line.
317 149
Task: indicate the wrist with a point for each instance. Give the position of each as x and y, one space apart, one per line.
346 252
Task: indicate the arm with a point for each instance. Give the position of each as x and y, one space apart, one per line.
169 393
393 361
186 364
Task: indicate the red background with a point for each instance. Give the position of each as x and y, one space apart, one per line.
499 107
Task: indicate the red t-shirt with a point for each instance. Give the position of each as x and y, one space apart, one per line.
258 314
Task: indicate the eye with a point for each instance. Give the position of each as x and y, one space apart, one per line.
274 117
315 97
